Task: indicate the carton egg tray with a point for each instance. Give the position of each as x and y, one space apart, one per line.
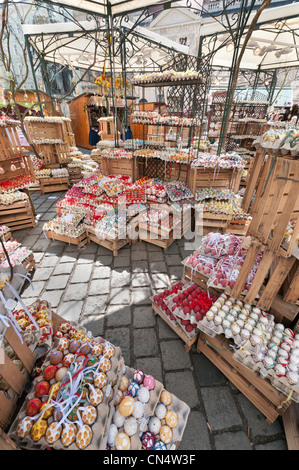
104 410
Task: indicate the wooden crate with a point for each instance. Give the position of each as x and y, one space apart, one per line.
238 227
118 166
17 216
42 129
15 378
111 244
10 145
80 241
211 178
271 274
291 285
259 391
7 237
50 185
276 203
68 135
222 223
176 328
291 426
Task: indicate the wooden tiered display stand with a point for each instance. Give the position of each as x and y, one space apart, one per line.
118 166
274 205
80 241
215 178
54 154
20 214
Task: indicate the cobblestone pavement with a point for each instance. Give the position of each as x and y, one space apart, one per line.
111 298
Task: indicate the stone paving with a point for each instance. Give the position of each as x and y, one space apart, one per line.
111 298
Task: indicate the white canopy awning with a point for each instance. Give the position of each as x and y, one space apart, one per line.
275 41
77 44
116 7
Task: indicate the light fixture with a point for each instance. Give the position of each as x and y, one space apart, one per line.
257 51
230 47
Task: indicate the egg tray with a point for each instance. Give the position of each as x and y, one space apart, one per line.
183 411
149 409
98 428
280 383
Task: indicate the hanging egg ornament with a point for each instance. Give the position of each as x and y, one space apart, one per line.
53 432
42 389
96 396
84 437
89 415
100 379
24 427
38 430
68 435
33 407
97 349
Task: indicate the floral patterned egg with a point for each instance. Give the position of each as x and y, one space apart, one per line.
56 357
64 327
42 389
31 327
126 406
73 415
148 440
29 338
124 383
118 397
63 344
96 396
68 359
9 351
166 398
108 351
53 432
97 349
49 372
89 415
24 427
38 430
84 437
171 419
92 361
105 364
85 349
71 333
57 415
33 407
81 360
74 346
166 434
3 384
122 441
68 434
41 321
47 409
100 379
54 389
80 335
23 323
88 377
58 334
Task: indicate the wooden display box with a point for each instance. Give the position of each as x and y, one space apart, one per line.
176 328
156 168
78 241
259 391
67 132
212 178
17 216
51 185
29 263
15 378
118 166
276 203
112 244
223 223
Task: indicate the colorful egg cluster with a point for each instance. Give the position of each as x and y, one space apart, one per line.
74 358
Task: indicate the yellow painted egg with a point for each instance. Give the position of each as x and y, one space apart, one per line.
118 397
68 435
84 437
96 396
23 323
24 427
122 441
100 379
166 434
171 419
89 415
166 398
127 406
38 430
53 432
47 410
124 383
54 389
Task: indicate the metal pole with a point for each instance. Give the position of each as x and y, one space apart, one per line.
48 87
124 74
34 76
